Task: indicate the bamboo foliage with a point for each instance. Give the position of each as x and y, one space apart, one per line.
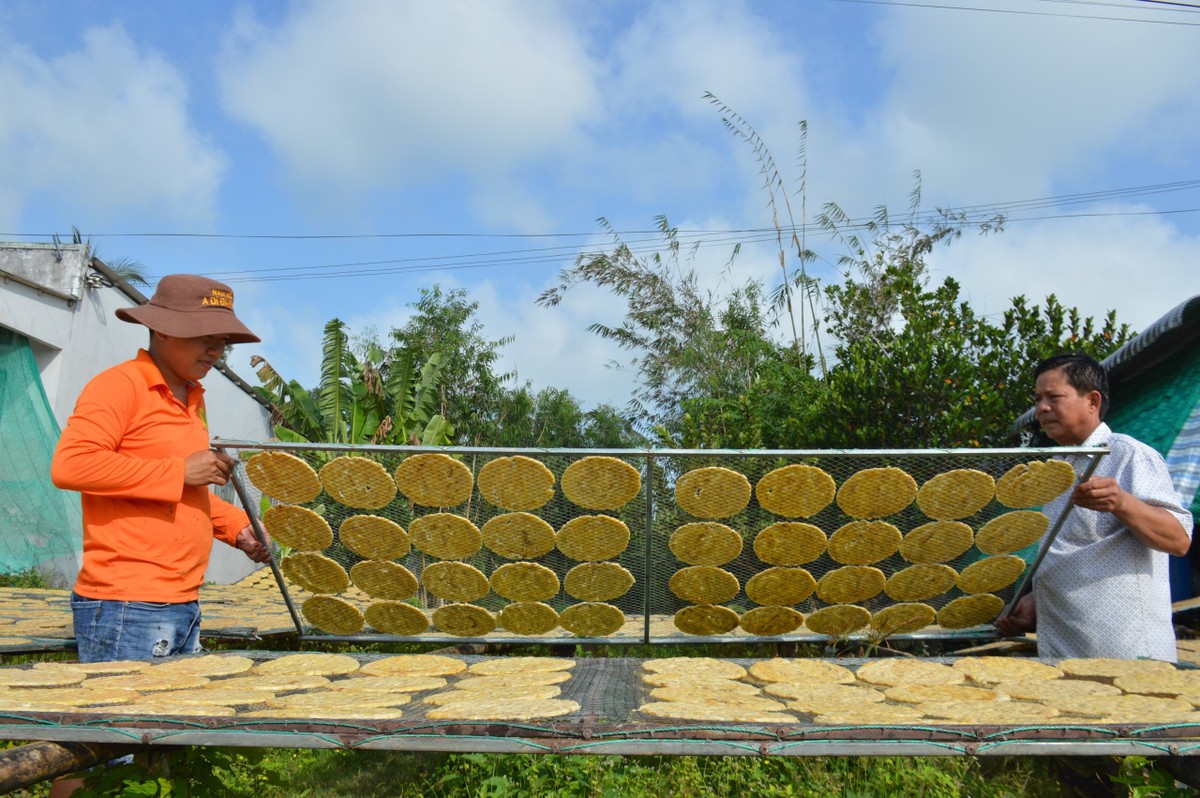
372 400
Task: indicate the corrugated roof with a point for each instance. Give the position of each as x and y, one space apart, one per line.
1175 331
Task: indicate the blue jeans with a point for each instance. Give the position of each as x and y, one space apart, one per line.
134 630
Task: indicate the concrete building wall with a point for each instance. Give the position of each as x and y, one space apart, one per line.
53 297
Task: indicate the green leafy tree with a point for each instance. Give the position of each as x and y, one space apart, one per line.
470 391
915 365
937 373
487 409
685 342
554 418
379 399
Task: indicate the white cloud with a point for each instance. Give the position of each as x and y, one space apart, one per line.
379 94
103 131
508 205
1010 104
552 347
1138 265
664 139
676 51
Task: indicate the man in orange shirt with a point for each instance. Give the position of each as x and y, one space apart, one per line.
137 449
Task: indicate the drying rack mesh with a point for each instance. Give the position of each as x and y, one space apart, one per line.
461 544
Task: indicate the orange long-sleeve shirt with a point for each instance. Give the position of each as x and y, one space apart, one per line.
146 535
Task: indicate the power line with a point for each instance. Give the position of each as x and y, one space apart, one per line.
1026 12
494 260
643 242
996 207
1195 6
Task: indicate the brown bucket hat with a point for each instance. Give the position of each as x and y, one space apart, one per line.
190 306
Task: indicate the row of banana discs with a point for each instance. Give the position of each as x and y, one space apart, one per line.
590 539
788 543
513 536
302 687
438 480
606 483
974 690
839 620
523 615
801 491
784 546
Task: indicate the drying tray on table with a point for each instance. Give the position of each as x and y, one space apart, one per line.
601 705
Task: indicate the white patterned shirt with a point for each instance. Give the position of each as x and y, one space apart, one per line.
1099 591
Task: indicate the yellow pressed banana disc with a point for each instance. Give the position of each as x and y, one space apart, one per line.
445 536
902 618
991 574
938 541
591 538
969 611
284 477
838 621
374 537
598 581
518 536
876 492
528 618
768 621
463 620
601 483
516 483
1011 532
315 572
455 581
706 619
704 584
956 494
864 542
712 492
780 586
358 482
396 618
800 671
434 480
790 543
525 581
795 491
297 528
384 580
850 584
705 543
920 582
332 615
591 619
1035 483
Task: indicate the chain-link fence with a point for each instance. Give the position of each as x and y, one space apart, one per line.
630 546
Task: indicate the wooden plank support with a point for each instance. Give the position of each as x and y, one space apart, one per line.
34 763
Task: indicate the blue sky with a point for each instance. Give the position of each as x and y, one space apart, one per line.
474 144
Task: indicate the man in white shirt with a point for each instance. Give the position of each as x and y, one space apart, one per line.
1103 589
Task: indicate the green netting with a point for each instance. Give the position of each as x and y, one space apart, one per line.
1154 407
40 523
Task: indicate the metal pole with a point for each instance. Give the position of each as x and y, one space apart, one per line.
647 569
256 525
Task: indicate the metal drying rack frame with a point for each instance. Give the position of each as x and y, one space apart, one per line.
650 458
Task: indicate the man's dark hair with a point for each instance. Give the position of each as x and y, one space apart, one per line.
1082 372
